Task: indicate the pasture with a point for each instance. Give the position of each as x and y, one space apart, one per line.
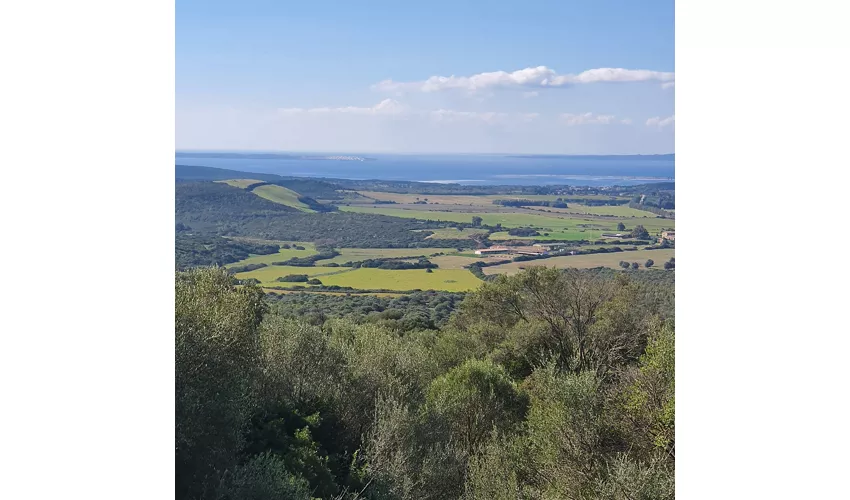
523 218
358 254
450 280
240 183
458 261
268 275
283 254
588 261
282 195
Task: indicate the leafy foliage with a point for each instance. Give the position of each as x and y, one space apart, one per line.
547 384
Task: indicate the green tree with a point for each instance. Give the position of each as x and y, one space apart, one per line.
635 265
640 232
649 263
473 399
476 220
217 355
621 226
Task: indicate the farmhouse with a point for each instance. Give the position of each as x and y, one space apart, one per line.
668 235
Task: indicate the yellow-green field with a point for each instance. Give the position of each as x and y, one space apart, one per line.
358 254
283 254
240 183
268 275
451 280
458 261
615 210
544 222
611 260
467 200
282 195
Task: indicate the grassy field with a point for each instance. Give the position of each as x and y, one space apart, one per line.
282 195
452 233
283 254
357 254
611 260
467 200
451 280
615 210
458 261
554 221
240 183
268 275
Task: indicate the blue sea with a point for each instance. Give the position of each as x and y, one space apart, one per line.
460 169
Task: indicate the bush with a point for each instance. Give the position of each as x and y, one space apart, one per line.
635 265
294 278
649 263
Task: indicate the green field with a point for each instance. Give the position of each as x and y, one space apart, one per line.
358 254
615 210
465 200
553 220
283 254
458 261
451 280
282 195
268 275
240 183
587 261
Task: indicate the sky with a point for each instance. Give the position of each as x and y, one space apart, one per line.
534 77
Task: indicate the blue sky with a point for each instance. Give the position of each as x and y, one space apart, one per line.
583 77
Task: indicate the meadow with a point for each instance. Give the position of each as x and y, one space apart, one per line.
268 275
282 195
450 280
588 261
240 183
561 227
283 254
358 254
468 200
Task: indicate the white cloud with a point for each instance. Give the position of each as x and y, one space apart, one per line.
586 119
659 122
529 95
385 107
538 77
668 85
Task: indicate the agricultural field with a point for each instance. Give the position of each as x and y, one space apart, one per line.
613 210
458 261
450 280
561 227
282 195
358 254
283 254
268 275
485 200
240 183
587 261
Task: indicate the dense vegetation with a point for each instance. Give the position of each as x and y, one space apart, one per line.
216 208
548 384
197 250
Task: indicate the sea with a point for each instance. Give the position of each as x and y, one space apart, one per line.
460 169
